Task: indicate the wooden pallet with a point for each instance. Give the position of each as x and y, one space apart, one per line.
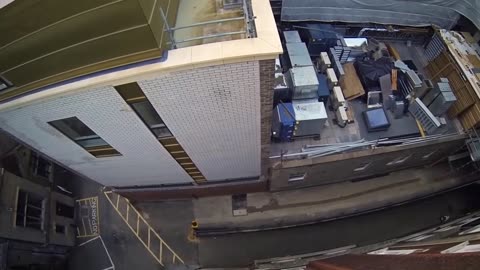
350 83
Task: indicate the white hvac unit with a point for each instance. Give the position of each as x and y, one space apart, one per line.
338 100
310 117
332 78
324 62
342 117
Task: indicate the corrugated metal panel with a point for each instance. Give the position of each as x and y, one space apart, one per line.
74 40
414 13
429 122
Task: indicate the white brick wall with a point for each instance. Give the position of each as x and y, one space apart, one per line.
214 112
144 160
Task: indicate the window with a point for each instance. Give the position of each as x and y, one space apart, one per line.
151 118
40 166
386 251
398 161
77 131
299 176
362 167
30 210
420 238
135 97
464 247
64 210
59 229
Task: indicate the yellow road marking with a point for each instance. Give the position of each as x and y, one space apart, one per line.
136 231
92 203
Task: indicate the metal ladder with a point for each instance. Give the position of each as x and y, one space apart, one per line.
155 245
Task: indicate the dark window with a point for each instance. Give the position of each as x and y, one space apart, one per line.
40 166
147 113
59 228
64 210
29 210
77 131
135 97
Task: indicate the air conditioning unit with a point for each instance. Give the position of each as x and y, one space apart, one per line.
338 100
342 117
332 78
323 62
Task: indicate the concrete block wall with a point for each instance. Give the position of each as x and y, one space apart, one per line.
214 112
345 167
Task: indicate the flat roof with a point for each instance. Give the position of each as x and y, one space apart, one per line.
403 127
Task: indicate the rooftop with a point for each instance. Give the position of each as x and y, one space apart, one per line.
356 131
211 21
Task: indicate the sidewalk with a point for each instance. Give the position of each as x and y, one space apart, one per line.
314 204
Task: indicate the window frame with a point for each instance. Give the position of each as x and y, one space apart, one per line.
98 151
399 160
293 178
35 160
363 167
41 217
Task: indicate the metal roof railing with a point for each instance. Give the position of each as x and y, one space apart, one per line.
247 18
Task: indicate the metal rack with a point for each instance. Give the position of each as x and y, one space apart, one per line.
247 17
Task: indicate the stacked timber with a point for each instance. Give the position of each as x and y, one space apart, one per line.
459 63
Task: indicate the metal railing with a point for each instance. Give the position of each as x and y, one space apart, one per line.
150 239
247 18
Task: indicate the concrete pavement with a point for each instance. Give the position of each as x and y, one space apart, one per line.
171 219
307 205
241 249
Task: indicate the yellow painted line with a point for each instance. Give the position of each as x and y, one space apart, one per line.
128 209
158 258
420 128
148 243
138 226
160 252
89 202
86 199
84 227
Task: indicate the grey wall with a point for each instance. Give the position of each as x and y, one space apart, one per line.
337 168
9 186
